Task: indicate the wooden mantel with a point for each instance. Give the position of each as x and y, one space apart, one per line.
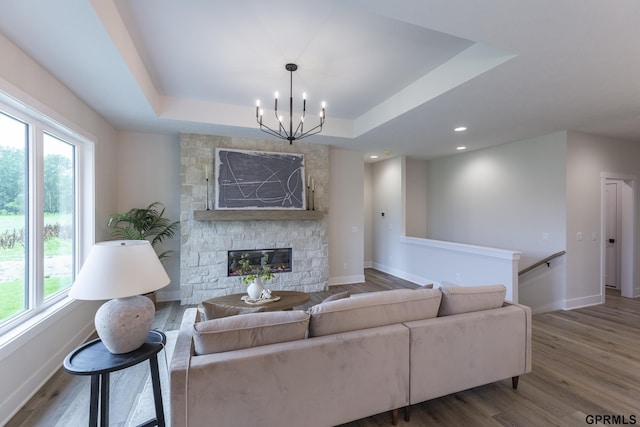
256 215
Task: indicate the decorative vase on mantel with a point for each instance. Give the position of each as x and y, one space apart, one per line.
255 288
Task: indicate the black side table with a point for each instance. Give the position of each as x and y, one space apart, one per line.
94 359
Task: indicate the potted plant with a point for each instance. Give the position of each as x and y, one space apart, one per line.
254 276
144 224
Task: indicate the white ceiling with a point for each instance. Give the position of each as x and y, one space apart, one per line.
396 76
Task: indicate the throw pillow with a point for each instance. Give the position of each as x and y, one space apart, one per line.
372 309
465 299
339 295
249 330
214 310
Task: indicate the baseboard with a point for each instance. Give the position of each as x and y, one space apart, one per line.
418 280
346 280
168 296
572 304
547 308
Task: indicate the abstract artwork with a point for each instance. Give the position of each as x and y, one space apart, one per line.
259 180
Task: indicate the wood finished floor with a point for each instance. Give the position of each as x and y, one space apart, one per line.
585 362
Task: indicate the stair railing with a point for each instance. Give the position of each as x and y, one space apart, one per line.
547 261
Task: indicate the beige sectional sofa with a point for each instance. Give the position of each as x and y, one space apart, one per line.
345 359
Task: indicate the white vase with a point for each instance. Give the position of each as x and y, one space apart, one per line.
255 288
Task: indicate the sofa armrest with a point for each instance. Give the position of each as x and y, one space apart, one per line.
527 316
179 368
458 352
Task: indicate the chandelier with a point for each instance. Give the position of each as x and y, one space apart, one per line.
282 132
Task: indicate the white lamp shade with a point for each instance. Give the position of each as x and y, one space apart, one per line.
119 269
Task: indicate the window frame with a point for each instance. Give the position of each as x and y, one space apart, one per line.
84 206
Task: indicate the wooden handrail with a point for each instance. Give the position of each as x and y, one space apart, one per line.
547 260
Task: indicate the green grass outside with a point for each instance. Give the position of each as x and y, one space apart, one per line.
12 294
12 291
11 222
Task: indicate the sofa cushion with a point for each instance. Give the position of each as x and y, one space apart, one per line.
214 310
339 295
465 299
372 309
249 330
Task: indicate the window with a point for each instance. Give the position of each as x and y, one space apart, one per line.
40 199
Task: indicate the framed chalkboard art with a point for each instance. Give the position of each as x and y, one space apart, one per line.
259 180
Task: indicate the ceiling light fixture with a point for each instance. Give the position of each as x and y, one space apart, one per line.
282 132
460 129
460 148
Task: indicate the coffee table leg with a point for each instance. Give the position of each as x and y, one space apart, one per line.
104 400
157 392
93 404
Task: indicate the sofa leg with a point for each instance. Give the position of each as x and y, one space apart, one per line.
514 382
394 417
407 413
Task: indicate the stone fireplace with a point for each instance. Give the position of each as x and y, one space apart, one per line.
207 240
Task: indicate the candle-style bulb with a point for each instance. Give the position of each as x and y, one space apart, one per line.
276 94
257 103
280 118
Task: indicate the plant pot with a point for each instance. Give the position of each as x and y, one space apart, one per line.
255 288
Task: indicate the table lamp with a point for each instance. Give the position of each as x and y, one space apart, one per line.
121 271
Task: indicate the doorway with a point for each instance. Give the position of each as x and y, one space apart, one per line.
618 225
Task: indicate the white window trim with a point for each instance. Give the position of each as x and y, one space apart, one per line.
84 209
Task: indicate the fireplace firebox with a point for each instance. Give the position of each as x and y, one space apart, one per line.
279 259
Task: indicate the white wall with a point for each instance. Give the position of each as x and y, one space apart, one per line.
510 196
149 171
346 219
416 210
421 260
387 185
368 215
588 157
27 361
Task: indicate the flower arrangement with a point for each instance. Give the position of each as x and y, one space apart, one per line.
249 273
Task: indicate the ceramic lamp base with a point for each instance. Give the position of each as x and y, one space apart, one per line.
123 323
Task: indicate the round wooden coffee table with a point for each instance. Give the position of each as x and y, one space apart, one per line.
288 300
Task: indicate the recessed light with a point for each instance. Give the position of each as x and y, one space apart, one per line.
460 148
460 129
373 157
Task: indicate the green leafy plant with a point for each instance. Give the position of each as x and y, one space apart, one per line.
144 224
249 273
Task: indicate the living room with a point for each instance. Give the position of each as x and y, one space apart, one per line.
545 182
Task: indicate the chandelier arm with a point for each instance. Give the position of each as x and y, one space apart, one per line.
299 129
268 130
310 132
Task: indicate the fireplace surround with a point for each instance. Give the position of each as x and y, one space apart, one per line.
207 239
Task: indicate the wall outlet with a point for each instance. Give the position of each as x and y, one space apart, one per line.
579 236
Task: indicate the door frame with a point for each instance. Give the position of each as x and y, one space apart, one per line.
627 236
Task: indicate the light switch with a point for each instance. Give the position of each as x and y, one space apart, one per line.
579 236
